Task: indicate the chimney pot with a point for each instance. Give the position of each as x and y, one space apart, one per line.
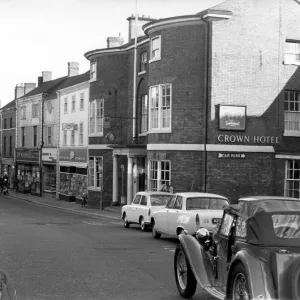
19 90
40 80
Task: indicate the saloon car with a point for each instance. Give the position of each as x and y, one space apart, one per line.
188 211
254 253
141 209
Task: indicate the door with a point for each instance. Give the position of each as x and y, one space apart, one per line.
131 209
164 217
173 214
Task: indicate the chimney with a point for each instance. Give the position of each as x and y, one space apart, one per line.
29 87
47 76
19 90
73 69
40 80
141 20
115 41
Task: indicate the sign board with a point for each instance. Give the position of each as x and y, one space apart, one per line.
231 155
75 155
232 117
32 155
49 154
106 122
69 126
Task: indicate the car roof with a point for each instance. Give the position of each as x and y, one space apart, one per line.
262 198
153 193
199 194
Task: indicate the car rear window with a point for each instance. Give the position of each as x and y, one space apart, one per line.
159 200
205 203
287 226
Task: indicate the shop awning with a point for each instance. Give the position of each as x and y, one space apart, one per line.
73 164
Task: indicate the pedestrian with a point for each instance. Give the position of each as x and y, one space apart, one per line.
1 183
163 187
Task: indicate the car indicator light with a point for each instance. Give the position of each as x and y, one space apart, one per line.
197 220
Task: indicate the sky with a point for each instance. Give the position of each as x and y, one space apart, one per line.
44 35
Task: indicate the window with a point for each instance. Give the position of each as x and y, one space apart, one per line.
65 138
23 112
10 123
292 52
143 200
10 146
171 202
137 199
4 146
178 203
34 136
49 134
143 62
82 101
159 174
292 113
160 107
66 106
35 110
93 72
73 137
144 114
23 136
95 169
5 124
81 133
96 116
292 179
155 48
73 103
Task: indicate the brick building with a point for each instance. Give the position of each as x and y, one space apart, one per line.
214 105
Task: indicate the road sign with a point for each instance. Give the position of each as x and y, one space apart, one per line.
237 155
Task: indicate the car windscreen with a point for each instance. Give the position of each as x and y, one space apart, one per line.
159 200
205 203
286 226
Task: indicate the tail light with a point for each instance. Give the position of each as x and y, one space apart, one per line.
149 212
197 220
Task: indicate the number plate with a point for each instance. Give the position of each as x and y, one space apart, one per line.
216 220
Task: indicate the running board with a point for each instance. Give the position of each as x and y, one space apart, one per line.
216 292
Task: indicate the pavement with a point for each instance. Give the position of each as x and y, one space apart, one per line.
111 212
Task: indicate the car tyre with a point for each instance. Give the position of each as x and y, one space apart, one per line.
155 233
143 224
185 280
126 222
295 280
239 284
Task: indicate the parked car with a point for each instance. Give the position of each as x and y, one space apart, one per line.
188 211
253 254
141 209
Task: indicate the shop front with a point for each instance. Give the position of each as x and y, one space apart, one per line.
73 173
49 159
28 171
8 168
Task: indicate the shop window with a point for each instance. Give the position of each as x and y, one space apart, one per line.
159 174
23 136
34 136
49 134
292 113
292 52
96 116
82 101
73 103
93 71
292 178
35 110
4 146
11 123
144 114
160 108
72 137
66 106
10 146
155 49
95 172
65 141
81 133
143 62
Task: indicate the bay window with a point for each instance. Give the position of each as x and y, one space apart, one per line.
144 114
160 107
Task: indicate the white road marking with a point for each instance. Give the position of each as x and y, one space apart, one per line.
94 223
116 223
171 249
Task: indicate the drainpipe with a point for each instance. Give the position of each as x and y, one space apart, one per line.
134 78
42 145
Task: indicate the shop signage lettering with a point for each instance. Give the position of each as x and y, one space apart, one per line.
232 155
27 155
49 155
256 139
69 126
76 155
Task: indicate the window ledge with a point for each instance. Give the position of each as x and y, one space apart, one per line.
92 80
96 134
143 134
292 133
91 188
160 131
142 72
154 59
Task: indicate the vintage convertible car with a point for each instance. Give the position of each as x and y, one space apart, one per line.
254 253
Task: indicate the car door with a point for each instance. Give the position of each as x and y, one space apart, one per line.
132 209
164 218
142 209
173 214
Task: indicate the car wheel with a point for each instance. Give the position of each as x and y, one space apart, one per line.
185 280
239 284
142 224
155 233
125 220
